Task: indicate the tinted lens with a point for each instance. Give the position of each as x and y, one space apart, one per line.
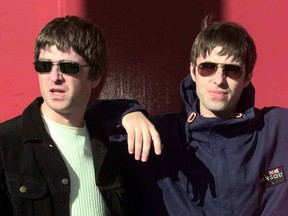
232 71
69 67
43 66
207 68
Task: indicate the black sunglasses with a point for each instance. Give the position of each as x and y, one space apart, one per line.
230 70
66 67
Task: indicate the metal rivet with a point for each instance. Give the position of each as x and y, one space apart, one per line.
23 189
65 181
51 145
236 115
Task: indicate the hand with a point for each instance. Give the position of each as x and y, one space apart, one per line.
141 134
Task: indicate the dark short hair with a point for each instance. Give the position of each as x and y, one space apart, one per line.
83 36
232 37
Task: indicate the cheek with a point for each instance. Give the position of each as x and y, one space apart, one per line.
42 79
238 89
84 86
200 89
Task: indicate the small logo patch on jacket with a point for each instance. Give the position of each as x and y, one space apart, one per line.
273 177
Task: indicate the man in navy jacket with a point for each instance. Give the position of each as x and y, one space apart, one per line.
222 155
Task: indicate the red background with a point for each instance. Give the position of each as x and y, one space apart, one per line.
148 45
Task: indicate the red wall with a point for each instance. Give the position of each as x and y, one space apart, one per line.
20 23
267 23
148 45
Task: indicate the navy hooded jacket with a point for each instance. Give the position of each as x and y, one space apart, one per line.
234 167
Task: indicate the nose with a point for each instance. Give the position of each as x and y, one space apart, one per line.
55 74
219 77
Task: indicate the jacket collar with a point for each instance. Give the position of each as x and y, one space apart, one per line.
34 129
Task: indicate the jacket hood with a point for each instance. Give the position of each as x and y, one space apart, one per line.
189 96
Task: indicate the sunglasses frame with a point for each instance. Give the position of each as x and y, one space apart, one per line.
61 64
234 73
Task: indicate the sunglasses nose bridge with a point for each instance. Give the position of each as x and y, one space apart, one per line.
57 66
222 66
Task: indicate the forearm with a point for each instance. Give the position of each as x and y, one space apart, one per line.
137 128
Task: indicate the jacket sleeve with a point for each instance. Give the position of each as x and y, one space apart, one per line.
109 113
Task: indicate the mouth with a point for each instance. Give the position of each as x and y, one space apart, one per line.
218 94
57 91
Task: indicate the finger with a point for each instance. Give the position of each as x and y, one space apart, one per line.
131 141
156 140
147 143
138 145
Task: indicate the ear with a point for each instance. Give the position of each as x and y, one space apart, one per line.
95 83
247 80
192 70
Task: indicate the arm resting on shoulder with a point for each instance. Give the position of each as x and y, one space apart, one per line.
126 119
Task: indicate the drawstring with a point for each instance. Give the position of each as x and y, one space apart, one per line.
190 119
187 187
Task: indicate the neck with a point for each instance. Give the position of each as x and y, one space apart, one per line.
223 114
66 118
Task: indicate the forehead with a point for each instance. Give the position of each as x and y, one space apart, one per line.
216 56
54 54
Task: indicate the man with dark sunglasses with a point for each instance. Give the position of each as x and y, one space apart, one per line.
54 160
222 155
